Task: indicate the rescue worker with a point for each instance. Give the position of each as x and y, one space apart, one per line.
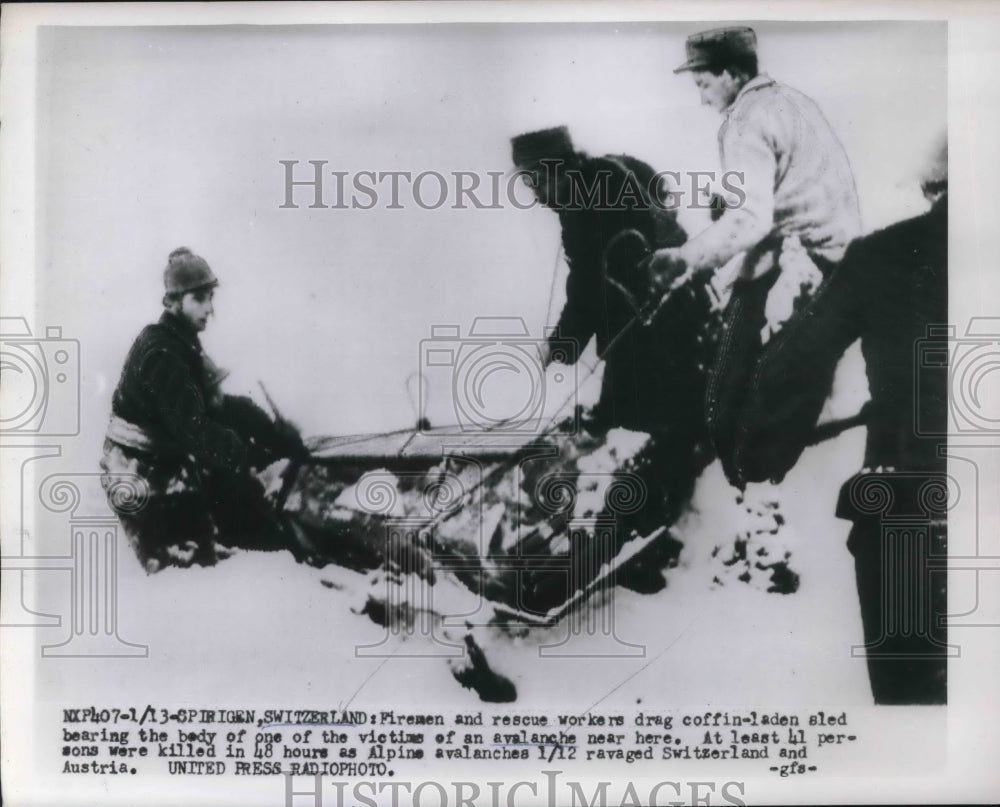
890 287
654 374
793 220
173 430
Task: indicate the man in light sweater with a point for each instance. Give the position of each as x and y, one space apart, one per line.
794 215
796 179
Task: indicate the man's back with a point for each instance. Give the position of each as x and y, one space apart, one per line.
620 201
653 375
890 286
791 157
903 270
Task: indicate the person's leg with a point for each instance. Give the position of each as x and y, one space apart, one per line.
901 602
163 515
244 517
736 357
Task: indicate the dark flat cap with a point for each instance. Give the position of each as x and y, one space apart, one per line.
532 147
709 47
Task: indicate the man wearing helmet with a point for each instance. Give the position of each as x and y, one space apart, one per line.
169 430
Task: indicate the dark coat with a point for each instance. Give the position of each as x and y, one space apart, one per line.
198 482
162 390
653 376
889 288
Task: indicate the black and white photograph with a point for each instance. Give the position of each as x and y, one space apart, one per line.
483 404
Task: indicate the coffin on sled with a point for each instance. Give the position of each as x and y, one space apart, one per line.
532 524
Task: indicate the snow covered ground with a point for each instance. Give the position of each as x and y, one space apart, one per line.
262 623
363 289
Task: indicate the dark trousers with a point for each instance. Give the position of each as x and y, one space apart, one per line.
243 516
174 514
903 595
737 356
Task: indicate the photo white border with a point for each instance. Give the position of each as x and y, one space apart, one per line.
974 102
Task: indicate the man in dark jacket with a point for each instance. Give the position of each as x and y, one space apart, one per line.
891 286
654 374
196 491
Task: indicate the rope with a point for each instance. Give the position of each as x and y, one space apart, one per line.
641 315
552 287
415 404
502 467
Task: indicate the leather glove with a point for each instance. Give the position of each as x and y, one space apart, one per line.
663 271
